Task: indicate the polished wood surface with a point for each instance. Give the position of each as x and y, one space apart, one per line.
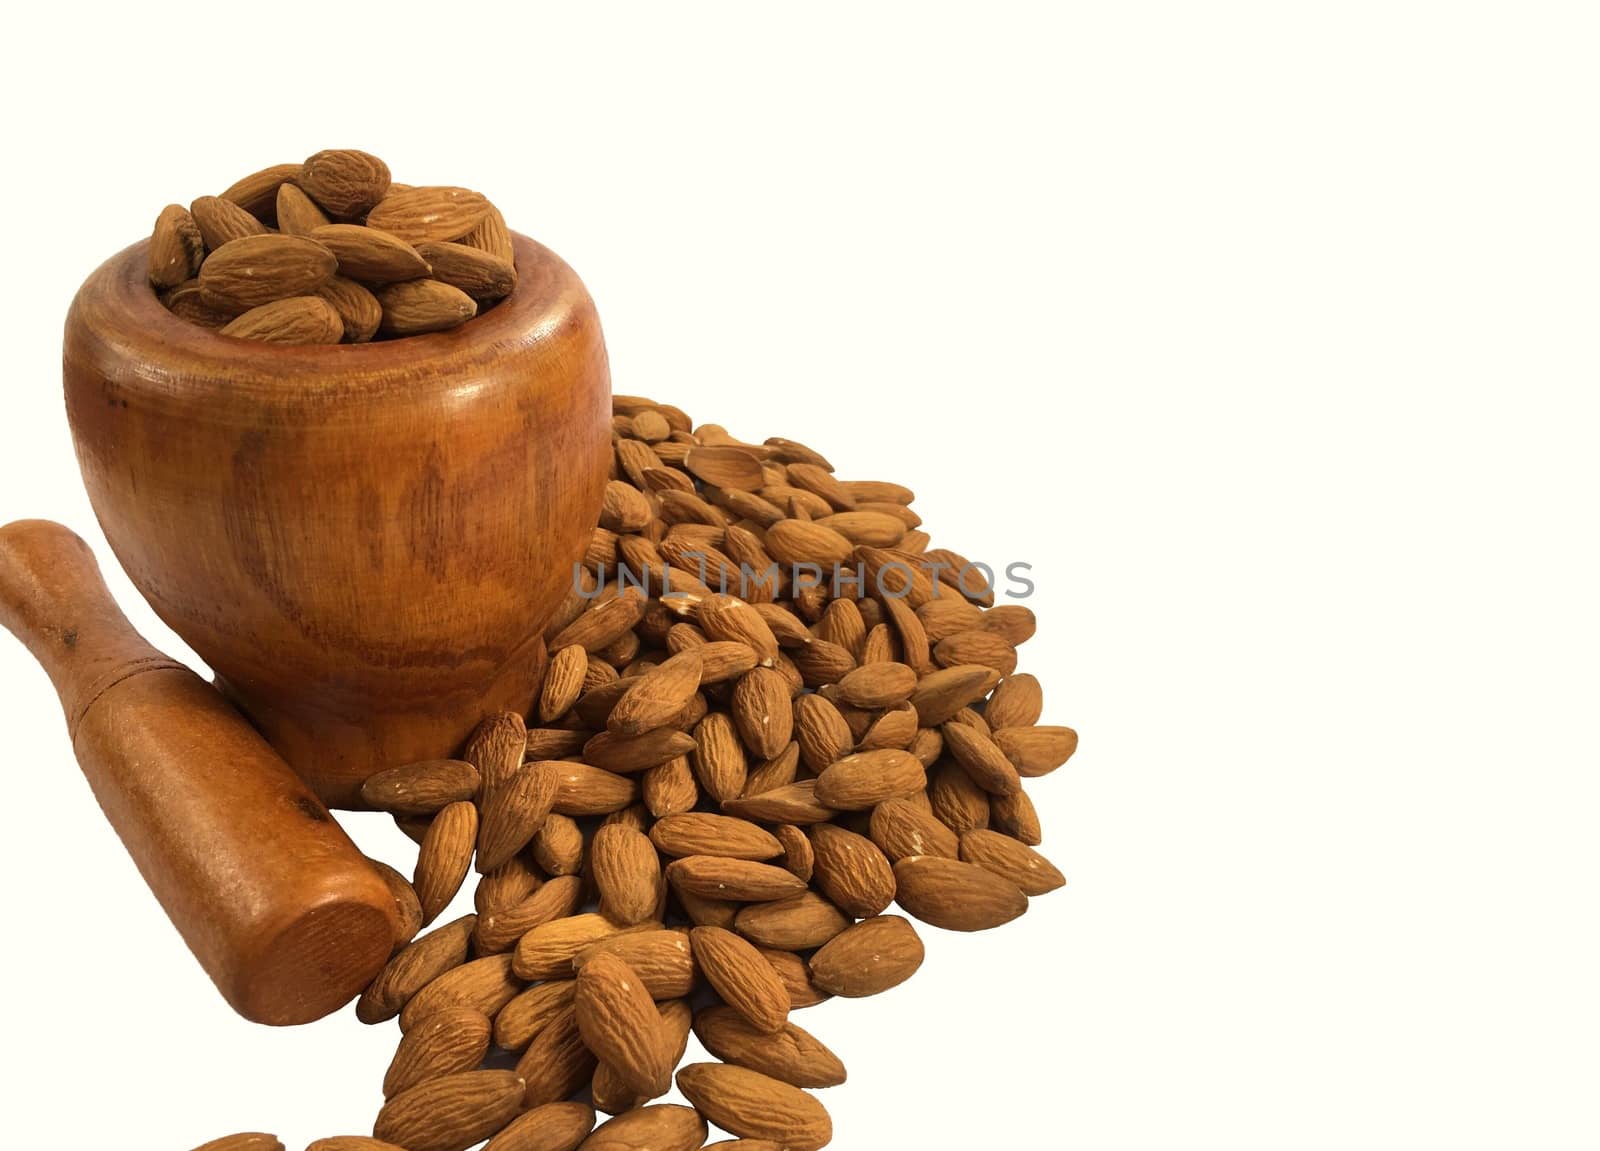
362 541
283 912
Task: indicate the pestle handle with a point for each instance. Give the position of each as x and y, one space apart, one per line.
285 914
53 599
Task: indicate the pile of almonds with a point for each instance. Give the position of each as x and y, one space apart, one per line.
705 821
331 250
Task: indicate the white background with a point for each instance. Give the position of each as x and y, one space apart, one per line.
1266 332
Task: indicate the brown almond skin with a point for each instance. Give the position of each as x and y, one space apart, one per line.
244 1141
552 1127
705 833
557 1062
956 896
445 857
351 1143
627 873
663 960
664 1127
1037 751
823 734
851 871
548 950
738 973
481 275
901 828
749 1104
1011 860
416 307
257 192
222 220
740 880
798 923
449 1040
344 181
298 214
868 778
429 214
422 788
762 711
501 927
451 1113
414 967
982 758
520 1021
255 270
620 1025
796 977
370 256
295 320
486 984
876 686
1015 815
176 247
791 1054
509 819
658 696
1017 702
871 957
940 694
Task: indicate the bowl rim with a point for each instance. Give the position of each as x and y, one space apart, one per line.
133 338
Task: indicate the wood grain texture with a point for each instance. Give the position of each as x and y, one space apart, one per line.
284 913
363 542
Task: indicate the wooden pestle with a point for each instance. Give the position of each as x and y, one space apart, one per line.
288 918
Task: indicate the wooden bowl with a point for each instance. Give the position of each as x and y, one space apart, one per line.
362 541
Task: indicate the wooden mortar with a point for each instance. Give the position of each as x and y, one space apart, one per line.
362 541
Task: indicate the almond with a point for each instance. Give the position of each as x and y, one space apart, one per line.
739 974
185 302
414 967
657 697
703 833
799 859
900 828
485 984
499 929
244 1141
796 978
557 1062
871 957
603 622
982 759
630 754
563 682
370 256
725 467
552 1127
359 310
492 236
627 874
799 542
797 923
728 618
255 270
790 1054
506 886
739 880
795 803
1011 860
1017 702
662 960
664 1127
481 275
979 646
719 761
447 1041
1015 815
222 220
520 1020
548 950
619 1024
956 896
496 749
670 789
940 694
585 790
959 804
296 320
343 181
257 193
451 1113
822 732
762 711
779 771
445 857
419 306
558 847
1037 751
297 214
510 817
176 247
436 213
876 686
751 1105
867 778
851 871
